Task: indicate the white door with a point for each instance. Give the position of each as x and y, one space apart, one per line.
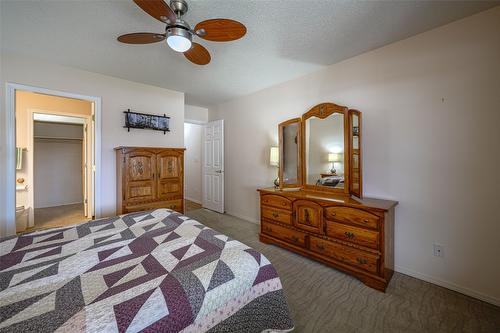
213 166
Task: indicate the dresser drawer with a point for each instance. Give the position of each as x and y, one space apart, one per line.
277 215
285 234
352 215
345 254
308 216
276 201
360 236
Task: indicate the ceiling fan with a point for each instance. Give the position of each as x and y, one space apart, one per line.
179 34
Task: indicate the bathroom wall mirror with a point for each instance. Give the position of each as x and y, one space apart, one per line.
290 163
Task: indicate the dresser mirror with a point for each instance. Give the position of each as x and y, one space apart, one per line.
324 151
321 151
290 162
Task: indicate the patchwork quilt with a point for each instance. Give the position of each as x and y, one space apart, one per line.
155 271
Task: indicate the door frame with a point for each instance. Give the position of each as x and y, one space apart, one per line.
9 215
61 118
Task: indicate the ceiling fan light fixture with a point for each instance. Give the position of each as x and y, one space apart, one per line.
179 39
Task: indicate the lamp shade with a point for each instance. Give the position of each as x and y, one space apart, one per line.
274 156
333 157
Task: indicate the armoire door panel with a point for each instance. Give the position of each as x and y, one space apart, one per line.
141 166
168 166
140 191
168 188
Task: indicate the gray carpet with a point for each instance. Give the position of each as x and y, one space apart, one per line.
322 299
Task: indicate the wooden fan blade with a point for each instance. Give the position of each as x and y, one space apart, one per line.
221 30
141 38
158 9
197 54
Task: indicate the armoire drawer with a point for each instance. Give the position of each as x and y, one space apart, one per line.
276 201
360 236
285 234
277 215
352 216
345 254
174 205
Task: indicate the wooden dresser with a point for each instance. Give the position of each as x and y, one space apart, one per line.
324 216
351 234
149 178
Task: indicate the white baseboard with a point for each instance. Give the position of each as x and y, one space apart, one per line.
448 285
62 204
193 200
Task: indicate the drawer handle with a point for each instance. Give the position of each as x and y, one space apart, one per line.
321 247
283 203
294 238
275 215
334 214
361 261
349 235
365 221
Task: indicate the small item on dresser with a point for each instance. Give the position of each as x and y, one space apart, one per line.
274 160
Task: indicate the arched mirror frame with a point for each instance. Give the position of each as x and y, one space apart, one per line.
322 111
281 128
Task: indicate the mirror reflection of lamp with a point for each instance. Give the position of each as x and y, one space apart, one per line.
333 157
274 160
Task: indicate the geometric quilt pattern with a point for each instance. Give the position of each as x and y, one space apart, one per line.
154 271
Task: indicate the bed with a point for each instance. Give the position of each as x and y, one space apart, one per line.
331 181
155 271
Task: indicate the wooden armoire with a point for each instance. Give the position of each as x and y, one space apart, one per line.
149 178
318 210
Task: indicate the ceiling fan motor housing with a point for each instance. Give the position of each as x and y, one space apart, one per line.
180 7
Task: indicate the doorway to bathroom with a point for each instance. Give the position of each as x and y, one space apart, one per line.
55 150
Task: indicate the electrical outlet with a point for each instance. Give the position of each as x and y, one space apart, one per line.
438 250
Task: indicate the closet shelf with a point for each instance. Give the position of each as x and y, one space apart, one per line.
38 137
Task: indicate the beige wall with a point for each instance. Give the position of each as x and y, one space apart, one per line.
192 162
117 95
431 111
195 114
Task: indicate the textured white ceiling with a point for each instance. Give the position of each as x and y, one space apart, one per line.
286 39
